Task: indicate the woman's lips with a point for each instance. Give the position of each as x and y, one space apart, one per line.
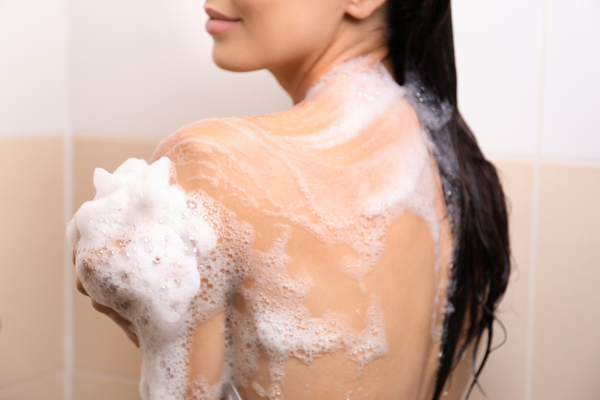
218 22
216 26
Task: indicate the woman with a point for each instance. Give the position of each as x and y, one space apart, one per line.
359 240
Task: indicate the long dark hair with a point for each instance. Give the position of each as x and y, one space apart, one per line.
421 49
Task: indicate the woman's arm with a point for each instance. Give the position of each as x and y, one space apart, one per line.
141 279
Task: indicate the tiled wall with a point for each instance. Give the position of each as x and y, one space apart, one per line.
33 67
549 312
31 267
33 62
528 87
567 322
527 75
138 70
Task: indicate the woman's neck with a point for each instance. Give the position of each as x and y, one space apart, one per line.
299 76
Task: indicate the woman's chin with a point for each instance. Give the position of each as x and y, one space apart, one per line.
233 61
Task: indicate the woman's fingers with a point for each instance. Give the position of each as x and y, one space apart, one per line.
101 308
80 287
132 336
78 283
125 324
112 314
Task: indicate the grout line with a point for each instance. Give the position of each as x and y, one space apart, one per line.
544 159
17 135
535 211
69 334
29 383
532 282
108 376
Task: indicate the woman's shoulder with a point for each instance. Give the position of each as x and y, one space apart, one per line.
201 134
227 155
245 132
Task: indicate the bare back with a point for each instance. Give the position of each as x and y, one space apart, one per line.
334 235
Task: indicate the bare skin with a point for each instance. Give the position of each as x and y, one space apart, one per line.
283 40
404 280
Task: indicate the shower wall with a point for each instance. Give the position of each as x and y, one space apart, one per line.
86 84
528 87
33 59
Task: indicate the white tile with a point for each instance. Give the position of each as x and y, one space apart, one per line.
571 127
145 67
498 53
32 67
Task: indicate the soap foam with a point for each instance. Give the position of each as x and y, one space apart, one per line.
285 329
139 246
169 259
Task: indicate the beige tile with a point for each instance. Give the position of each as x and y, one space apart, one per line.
504 375
566 357
31 258
90 386
51 389
90 153
99 343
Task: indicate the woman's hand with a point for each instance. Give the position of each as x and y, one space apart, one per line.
125 324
